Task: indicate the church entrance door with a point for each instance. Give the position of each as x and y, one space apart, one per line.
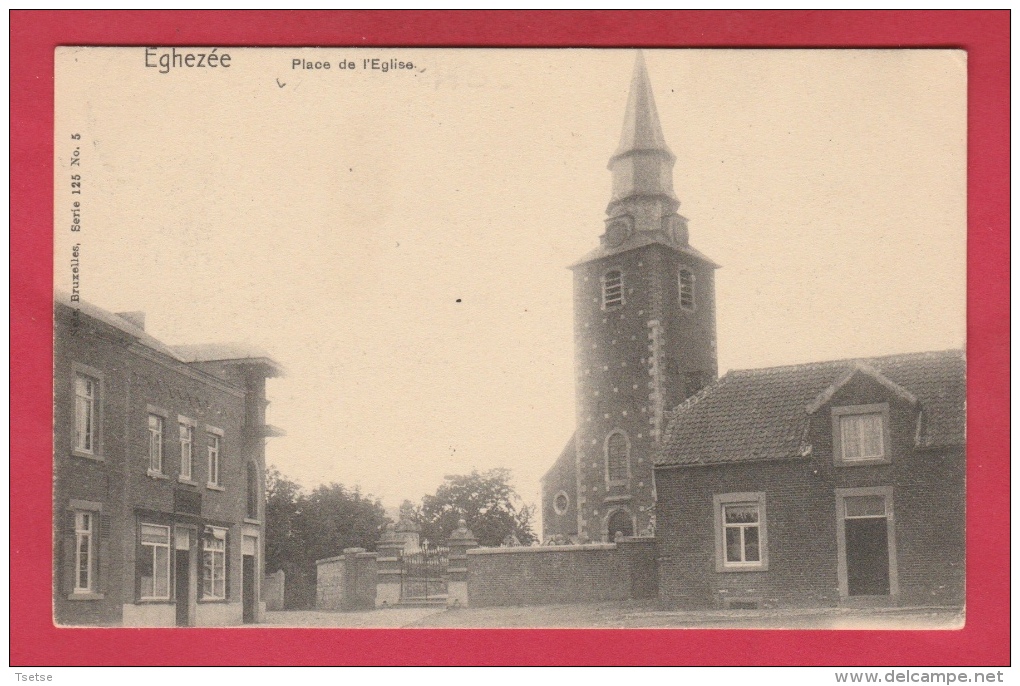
620 524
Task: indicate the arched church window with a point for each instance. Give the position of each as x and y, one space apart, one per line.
686 289
617 457
252 509
612 289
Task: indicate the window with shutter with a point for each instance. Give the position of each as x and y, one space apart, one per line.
686 285
612 289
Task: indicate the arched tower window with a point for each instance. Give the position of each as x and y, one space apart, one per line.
252 509
617 457
686 281
612 289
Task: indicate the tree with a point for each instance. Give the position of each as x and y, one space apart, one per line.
283 530
339 518
486 501
304 527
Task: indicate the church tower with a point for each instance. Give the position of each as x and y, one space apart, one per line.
644 333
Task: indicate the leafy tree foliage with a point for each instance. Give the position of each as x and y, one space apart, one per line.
493 510
304 527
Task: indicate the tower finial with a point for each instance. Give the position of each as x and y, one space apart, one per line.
643 164
641 128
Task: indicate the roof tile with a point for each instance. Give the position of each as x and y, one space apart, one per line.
761 414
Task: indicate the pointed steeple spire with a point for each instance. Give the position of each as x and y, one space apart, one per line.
643 164
641 128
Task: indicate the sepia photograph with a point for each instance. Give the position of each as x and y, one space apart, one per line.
509 338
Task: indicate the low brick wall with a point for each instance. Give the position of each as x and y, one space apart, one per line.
346 582
329 583
272 590
562 574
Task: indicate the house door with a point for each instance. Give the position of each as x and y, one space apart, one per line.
867 556
182 576
867 548
248 588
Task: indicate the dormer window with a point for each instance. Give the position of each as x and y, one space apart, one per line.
612 289
686 286
861 434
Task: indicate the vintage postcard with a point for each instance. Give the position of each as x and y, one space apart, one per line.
457 338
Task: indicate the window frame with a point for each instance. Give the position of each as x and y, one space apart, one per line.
209 535
615 305
88 533
838 413
76 507
142 545
561 511
214 458
160 438
94 375
184 422
719 503
626 458
692 287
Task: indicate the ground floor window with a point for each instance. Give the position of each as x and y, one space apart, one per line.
214 563
740 540
154 562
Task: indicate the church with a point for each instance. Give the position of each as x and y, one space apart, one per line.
819 484
644 333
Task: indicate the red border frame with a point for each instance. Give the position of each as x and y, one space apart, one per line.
984 34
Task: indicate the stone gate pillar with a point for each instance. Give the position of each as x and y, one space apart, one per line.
387 587
461 541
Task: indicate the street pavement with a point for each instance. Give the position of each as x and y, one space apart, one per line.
624 614
386 618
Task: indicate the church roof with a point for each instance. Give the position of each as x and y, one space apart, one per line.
641 127
567 455
763 414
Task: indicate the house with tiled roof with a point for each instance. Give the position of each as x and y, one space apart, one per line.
828 483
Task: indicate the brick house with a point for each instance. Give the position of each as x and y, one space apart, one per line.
159 461
817 484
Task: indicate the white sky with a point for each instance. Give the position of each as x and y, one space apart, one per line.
336 219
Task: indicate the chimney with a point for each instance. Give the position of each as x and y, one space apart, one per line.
134 318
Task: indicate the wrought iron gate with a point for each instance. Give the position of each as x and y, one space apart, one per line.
423 574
